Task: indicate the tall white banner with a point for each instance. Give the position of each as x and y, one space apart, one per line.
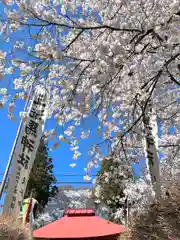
25 154
151 149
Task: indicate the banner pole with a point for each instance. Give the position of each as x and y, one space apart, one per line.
14 146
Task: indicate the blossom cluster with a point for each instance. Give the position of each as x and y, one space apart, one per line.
109 60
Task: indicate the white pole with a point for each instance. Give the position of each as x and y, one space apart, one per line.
127 209
14 147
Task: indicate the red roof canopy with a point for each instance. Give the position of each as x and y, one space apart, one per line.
79 223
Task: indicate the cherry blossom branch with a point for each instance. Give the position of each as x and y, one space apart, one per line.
124 150
170 117
160 146
162 108
161 70
74 39
73 93
172 77
48 23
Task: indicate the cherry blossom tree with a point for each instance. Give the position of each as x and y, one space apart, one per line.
111 59
67 197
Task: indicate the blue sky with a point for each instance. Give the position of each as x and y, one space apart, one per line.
62 157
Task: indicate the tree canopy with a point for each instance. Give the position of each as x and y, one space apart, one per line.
109 59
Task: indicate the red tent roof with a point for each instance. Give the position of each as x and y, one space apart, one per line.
79 223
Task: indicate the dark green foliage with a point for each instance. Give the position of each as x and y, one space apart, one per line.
42 180
114 187
110 184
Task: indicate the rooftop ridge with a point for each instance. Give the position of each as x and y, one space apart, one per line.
77 212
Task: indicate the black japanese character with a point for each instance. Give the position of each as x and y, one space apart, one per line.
31 128
12 205
17 176
149 128
21 192
24 160
23 180
19 169
150 141
15 190
34 114
14 198
154 179
17 179
149 153
40 100
150 109
146 120
27 143
150 157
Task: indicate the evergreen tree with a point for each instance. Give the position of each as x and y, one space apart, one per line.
110 185
41 185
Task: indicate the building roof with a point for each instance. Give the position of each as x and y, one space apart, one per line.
78 223
80 212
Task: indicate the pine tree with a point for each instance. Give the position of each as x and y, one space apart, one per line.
41 185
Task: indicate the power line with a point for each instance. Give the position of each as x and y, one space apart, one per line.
74 182
73 175
61 182
64 175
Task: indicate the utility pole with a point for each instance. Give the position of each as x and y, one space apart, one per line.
14 146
